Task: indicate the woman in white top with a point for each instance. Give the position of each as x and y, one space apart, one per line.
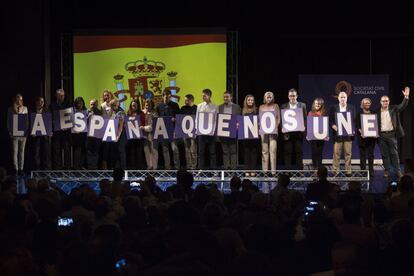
107 111
269 141
18 142
150 150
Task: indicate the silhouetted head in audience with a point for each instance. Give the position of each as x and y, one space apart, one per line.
283 180
18 261
46 210
402 233
182 214
352 210
213 215
76 197
102 206
405 185
408 165
9 185
31 185
247 184
251 263
235 184
118 174
185 179
43 185
105 186
354 187
322 173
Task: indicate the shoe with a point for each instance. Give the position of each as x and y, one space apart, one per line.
348 174
20 173
247 174
253 174
386 174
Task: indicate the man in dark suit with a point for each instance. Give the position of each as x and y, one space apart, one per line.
340 142
61 140
169 108
293 140
390 130
229 145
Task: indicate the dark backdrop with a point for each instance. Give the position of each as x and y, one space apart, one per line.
275 44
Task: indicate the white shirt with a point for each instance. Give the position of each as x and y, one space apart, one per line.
386 123
293 106
207 107
342 108
107 111
21 110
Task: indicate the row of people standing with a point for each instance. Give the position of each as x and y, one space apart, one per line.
92 153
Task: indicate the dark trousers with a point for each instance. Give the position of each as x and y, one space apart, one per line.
250 150
229 147
294 145
117 153
135 154
389 151
366 152
41 146
210 143
61 142
79 150
317 150
92 156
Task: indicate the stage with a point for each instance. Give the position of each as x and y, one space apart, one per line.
68 179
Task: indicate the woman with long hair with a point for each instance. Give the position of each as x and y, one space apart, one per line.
41 144
18 142
134 146
250 146
318 109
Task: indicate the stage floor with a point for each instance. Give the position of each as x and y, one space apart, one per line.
67 180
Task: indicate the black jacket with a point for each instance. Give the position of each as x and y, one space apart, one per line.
335 109
395 117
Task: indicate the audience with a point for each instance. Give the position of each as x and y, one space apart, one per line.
188 230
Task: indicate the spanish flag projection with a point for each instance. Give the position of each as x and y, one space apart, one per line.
142 66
